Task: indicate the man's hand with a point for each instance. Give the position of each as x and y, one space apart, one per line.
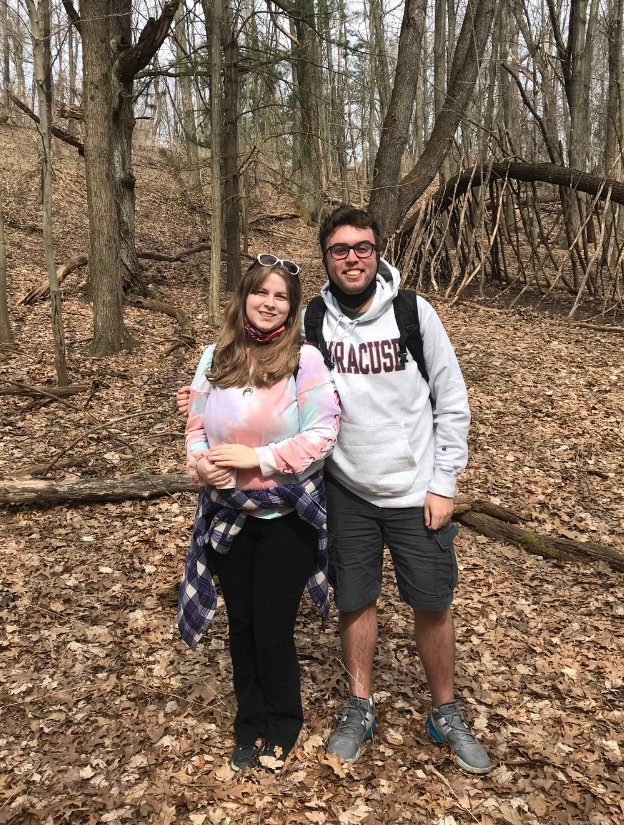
211 474
234 455
438 510
182 400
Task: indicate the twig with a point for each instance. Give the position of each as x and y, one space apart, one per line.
448 785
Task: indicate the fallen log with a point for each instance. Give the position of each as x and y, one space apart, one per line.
61 273
35 392
66 269
68 111
62 464
185 328
172 259
152 486
94 489
73 140
464 503
550 547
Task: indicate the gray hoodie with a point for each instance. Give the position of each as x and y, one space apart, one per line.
393 447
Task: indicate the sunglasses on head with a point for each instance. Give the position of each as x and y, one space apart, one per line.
271 260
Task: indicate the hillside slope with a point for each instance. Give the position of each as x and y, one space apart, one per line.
107 717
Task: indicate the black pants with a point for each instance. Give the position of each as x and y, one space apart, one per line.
262 578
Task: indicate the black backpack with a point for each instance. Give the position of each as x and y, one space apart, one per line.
405 312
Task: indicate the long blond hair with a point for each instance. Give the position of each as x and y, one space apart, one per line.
231 365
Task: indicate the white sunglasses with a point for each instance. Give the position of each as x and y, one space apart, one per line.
271 260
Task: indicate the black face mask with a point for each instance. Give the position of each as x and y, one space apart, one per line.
352 301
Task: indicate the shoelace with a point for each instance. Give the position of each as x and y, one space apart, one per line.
460 727
353 718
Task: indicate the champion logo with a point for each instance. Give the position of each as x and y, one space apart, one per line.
443 449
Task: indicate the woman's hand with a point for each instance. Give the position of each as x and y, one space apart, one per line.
211 474
234 455
182 400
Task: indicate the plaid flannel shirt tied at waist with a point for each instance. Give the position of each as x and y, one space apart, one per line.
220 516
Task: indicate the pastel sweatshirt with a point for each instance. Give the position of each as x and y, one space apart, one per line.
292 425
394 446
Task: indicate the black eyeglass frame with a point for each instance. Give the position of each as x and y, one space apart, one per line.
349 248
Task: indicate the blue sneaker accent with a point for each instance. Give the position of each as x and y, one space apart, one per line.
432 730
370 730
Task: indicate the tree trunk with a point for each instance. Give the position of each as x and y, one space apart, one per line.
123 123
214 309
6 60
612 151
72 46
384 197
109 332
6 336
382 71
45 23
309 198
18 59
339 114
439 56
40 46
230 150
372 86
188 110
468 54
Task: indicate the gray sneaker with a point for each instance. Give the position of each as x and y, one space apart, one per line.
356 725
447 724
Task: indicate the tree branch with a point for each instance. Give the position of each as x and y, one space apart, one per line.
61 134
137 57
456 186
73 15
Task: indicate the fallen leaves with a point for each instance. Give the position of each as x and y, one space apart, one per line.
334 762
105 716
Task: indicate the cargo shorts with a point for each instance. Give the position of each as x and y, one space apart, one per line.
424 560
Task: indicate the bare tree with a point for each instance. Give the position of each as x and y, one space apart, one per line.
230 147
398 198
384 199
214 309
189 125
39 19
109 332
6 336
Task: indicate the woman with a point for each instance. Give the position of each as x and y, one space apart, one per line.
262 417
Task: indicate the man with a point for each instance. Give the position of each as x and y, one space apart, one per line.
391 480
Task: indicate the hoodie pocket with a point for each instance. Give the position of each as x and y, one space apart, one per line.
377 460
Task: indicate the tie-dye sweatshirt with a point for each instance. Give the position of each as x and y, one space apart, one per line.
292 425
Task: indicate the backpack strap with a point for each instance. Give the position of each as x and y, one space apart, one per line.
313 328
406 314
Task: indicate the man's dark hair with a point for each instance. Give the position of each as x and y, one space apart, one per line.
345 215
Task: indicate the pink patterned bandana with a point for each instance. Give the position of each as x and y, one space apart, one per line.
261 337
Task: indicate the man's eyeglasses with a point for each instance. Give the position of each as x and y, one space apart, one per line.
340 251
271 260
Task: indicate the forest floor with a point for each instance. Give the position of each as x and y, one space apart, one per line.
106 716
